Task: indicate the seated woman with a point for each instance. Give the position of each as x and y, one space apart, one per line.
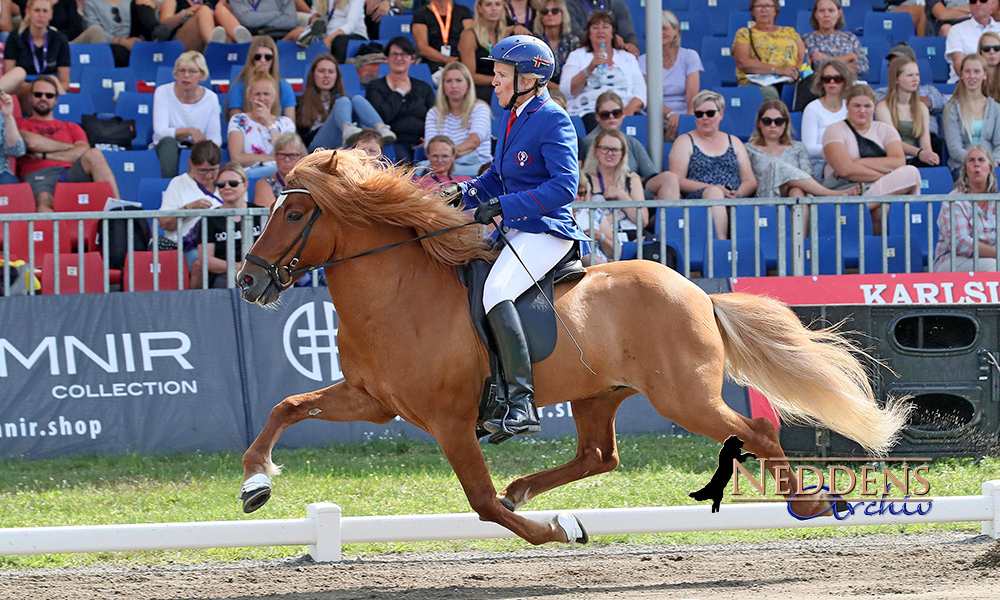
903 109
597 67
780 164
607 173
971 117
829 107
711 164
336 22
191 22
252 134
662 186
459 115
552 25
681 76
402 101
860 150
826 41
262 55
489 26
989 48
288 151
21 56
520 16
441 153
194 189
232 185
437 30
184 112
326 117
977 176
767 49
115 19
370 142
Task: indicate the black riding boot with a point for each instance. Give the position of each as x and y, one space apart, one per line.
512 347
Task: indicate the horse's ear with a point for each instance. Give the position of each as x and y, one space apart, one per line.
331 167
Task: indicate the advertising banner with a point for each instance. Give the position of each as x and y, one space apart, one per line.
891 288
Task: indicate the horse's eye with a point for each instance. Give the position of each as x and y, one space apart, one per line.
293 216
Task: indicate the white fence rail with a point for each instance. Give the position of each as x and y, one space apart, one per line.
324 531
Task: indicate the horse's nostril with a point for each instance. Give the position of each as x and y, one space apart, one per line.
247 280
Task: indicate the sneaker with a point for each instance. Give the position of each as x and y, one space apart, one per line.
315 31
351 134
242 35
387 134
218 35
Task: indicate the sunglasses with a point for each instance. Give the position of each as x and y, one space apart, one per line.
990 49
47 95
551 11
769 121
231 183
698 114
832 79
971 2
267 57
115 15
607 114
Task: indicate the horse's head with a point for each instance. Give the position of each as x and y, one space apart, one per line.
290 243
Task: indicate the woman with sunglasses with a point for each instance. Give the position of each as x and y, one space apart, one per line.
326 116
780 164
192 190
184 112
458 114
607 173
681 76
903 109
862 150
763 48
288 151
597 66
610 115
336 22
252 134
552 25
971 117
826 41
232 186
989 48
977 176
834 76
711 164
488 27
262 55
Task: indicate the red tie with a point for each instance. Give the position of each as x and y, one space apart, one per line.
513 117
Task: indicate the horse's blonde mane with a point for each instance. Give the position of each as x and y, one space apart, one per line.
357 190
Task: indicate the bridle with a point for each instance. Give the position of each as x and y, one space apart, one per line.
283 275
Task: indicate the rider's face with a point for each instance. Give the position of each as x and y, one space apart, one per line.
503 82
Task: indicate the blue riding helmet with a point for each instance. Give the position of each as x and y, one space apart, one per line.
527 54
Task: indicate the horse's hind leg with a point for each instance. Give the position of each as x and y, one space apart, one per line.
340 403
596 451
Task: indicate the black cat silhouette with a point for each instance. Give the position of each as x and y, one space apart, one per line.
723 473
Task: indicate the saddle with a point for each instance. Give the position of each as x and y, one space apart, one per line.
537 318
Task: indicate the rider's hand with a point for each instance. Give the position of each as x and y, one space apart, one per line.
451 194
487 210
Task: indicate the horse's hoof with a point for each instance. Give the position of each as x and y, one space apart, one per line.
573 528
507 504
256 491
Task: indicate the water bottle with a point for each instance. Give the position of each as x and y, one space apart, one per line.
602 69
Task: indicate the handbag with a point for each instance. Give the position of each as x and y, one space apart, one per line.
866 147
113 134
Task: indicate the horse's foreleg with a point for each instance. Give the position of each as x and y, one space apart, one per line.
596 452
461 448
340 403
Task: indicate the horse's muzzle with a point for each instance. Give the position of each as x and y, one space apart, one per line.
256 285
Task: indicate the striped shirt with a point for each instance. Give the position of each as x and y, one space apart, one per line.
479 124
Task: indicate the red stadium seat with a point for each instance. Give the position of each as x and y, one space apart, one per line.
144 271
42 237
80 197
69 273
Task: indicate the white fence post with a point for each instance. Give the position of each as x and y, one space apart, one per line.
326 517
991 489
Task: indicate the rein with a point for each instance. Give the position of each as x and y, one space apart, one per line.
283 275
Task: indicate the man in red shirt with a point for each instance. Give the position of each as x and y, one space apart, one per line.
57 150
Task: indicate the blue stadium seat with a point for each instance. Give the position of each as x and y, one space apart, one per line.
103 84
875 48
151 192
767 225
719 51
221 58
694 27
918 220
667 147
390 26
637 127
686 123
294 62
702 16
352 82
421 71
709 78
673 227
722 259
896 27
737 19
850 238
137 106
147 57
742 104
354 45
87 56
936 180
825 252
932 49
796 125
130 167
895 253
72 106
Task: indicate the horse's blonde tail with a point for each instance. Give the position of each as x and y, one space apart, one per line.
810 376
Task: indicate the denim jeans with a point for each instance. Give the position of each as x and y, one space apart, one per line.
331 134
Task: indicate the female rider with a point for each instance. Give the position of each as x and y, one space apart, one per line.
530 184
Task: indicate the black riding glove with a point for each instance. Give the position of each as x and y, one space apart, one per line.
451 194
487 210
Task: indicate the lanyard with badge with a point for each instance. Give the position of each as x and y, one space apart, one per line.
445 26
39 64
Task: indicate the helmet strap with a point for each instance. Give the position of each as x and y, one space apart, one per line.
517 94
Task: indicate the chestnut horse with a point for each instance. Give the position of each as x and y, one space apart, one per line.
408 347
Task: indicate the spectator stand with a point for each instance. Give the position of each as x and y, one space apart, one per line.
148 57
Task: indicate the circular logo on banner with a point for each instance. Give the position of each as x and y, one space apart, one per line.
311 347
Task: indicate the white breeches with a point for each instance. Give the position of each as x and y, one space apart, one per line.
508 279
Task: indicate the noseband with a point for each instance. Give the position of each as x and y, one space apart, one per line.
283 275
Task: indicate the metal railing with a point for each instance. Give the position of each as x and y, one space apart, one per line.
792 251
